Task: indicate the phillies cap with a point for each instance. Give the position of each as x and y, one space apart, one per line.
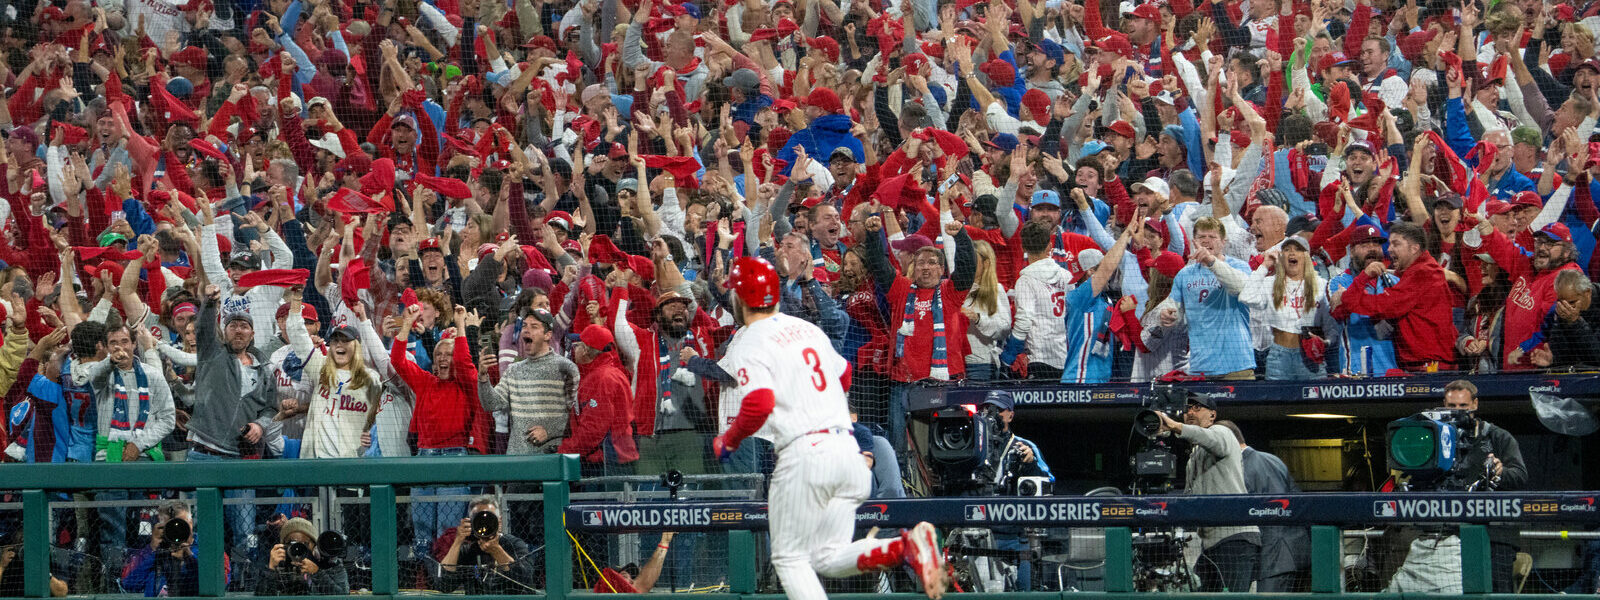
1368 233
1557 232
1050 197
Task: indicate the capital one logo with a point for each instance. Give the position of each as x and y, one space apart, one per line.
1278 507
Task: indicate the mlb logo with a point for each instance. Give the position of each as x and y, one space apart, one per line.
1311 393
593 518
1385 508
977 512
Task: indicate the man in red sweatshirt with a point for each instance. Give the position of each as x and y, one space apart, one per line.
1425 341
1533 287
602 429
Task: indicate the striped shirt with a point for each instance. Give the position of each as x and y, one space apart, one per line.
540 391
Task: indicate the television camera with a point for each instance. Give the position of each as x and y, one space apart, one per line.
1429 449
973 453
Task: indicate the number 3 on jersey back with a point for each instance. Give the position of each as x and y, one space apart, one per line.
819 379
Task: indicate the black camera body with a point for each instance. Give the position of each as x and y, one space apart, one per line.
485 526
294 552
1153 462
174 534
673 481
971 448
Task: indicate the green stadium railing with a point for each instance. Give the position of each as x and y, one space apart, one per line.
556 474
209 479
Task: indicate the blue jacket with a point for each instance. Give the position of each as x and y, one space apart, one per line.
820 139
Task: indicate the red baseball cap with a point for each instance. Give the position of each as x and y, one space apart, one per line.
1002 73
1528 199
825 99
1557 232
1333 59
428 244
596 336
1368 233
1122 128
1147 11
1499 207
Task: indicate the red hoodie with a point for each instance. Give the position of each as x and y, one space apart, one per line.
448 410
1427 332
604 396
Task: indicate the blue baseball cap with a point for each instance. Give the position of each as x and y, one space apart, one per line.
1003 141
1000 398
1092 147
1052 50
691 9
1046 197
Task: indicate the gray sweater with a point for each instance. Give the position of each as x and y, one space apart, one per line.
161 418
539 391
1216 466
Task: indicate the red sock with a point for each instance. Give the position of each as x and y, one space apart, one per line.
883 557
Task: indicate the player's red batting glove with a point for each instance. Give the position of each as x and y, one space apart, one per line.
720 447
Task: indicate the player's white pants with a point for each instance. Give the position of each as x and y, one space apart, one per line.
816 486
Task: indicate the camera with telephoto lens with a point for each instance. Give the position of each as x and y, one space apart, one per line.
174 534
1429 449
294 552
485 525
330 549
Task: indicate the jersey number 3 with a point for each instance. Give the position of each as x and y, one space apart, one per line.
813 360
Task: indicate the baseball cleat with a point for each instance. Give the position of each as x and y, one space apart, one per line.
926 559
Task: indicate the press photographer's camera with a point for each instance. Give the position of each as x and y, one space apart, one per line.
174 534
295 551
485 525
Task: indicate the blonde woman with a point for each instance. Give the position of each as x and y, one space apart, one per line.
1165 337
344 393
1284 294
988 312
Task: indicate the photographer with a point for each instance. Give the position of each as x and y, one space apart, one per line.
169 565
296 567
1022 460
1228 555
483 558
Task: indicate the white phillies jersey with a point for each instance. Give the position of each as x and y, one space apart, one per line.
795 360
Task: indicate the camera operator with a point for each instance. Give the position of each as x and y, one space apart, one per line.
12 564
169 566
1493 451
297 568
483 558
1228 555
1285 564
1022 460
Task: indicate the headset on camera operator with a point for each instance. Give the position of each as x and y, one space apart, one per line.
484 558
169 565
304 564
1228 555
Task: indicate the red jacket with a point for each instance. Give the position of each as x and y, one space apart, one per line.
604 396
447 411
1427 332
646 369
916 361
1532 294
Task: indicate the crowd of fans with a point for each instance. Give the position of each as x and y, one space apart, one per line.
342 228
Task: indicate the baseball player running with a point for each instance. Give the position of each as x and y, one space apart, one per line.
791 390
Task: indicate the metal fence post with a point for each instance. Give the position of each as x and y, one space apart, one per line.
1327 560
741 562
36 544
1119 560
557 552
1475 564
385 561
213 581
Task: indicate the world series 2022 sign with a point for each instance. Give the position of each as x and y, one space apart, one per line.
1576 508
1410 388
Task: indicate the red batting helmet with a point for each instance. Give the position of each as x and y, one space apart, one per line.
755 280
